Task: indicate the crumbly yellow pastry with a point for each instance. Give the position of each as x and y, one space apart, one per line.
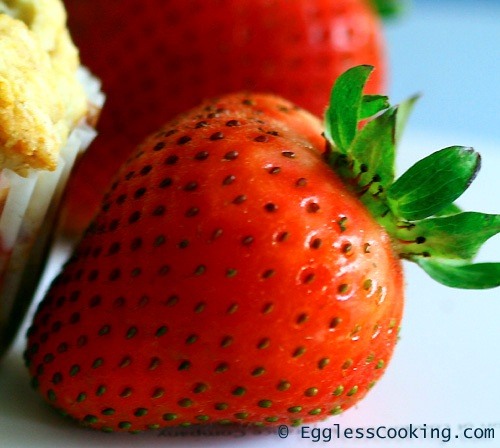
41 99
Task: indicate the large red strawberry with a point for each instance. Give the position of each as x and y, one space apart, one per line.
157 58
239 273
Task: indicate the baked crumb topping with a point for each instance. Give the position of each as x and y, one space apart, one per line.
41 100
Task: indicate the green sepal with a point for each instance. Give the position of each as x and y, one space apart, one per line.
404 110
372 105
388 9
433 183
462 275
378 136
457 236
346 100
451 209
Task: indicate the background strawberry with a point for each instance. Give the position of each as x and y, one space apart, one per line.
158 58
232 276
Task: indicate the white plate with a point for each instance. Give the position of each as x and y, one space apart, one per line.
445 372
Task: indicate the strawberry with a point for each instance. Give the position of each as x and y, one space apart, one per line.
159 58
238 272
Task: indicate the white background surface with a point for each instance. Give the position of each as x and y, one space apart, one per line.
446 368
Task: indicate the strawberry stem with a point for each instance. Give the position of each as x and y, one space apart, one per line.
417 209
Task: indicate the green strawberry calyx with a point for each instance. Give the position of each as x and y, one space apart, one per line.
388 9
417 209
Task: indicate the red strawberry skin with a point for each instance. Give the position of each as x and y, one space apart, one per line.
229 277
159 58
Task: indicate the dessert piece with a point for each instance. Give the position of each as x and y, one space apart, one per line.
48 107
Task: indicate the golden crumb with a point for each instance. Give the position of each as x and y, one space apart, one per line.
41 99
